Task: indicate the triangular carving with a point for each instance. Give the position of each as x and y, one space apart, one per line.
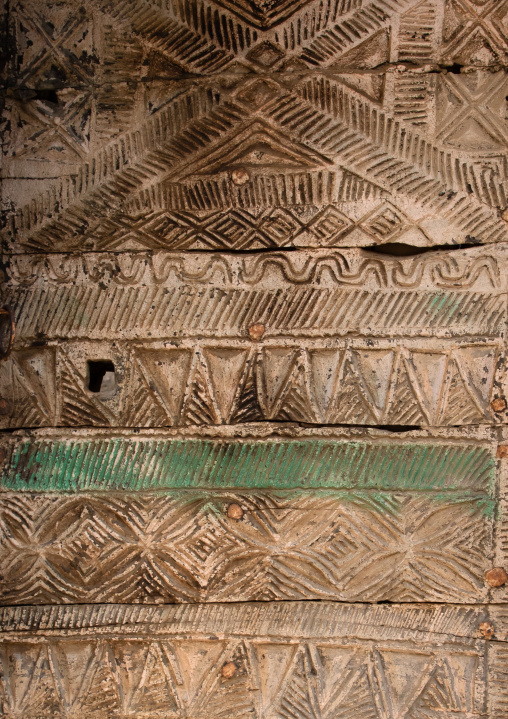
37 375
333 661
462 668
154 688
369 54
159 66
34 691
256 147
75 668
225 367
403 672
247 407
296 405
298 696
273 664
144 406
199 666
353 696
473 133
438 694
375 368
102 697
199 407
42 697
324 373
369 85
459 407
352 405
275 367
405 404
478 50
454 19
168 371
478 365
231 697
428 372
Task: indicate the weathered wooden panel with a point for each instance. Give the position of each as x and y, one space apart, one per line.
138 134
254 660
244 124
256 456
372 545
333 337
314 293
162 518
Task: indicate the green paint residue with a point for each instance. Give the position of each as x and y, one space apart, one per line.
137 464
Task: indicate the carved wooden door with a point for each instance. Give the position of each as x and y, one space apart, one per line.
254 445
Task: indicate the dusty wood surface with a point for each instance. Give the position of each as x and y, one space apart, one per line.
280 514
155 548
321 337
259 660
191 125
233 232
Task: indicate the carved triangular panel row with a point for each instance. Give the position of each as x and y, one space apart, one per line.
182 678
234 384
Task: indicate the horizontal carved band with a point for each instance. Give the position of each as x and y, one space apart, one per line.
335 381
220 519
176 295
209 546
214 339
248 457
260 660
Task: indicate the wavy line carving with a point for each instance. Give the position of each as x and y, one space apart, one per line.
343 268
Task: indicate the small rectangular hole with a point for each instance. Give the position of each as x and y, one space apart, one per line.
96 372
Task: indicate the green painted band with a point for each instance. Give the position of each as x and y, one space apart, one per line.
141 464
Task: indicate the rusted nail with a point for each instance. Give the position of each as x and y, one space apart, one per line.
240 176
499 404
235 511
228 670
502 451
4 406
486 630
256 331
496 577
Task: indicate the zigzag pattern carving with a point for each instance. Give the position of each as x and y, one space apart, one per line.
475 268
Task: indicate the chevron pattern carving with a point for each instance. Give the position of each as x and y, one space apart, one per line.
234 125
